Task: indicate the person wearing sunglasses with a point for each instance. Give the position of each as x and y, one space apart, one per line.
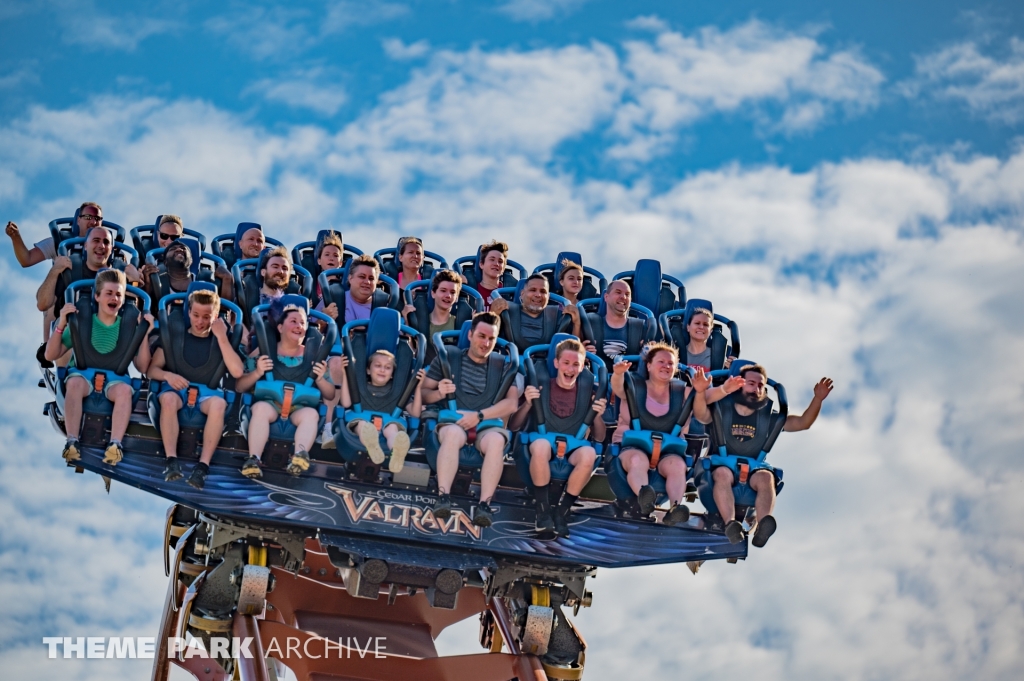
178 261
89 215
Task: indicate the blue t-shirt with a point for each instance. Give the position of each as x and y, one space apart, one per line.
615 341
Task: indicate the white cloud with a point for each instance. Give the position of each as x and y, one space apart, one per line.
397 50
83 24
315 89
539 10
990 87
346 14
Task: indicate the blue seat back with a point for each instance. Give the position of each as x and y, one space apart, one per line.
62 229
647 284
144 237
383 331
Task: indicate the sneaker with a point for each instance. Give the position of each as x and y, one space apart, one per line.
327 437
561 524
398 452
172 471
483 515
442 508
734 531
545 523
198 477
113 454
71 452
299 463
765 529
679 513
251 468
647 499
370 438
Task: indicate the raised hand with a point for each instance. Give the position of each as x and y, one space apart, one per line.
218 328
823 388
732 384
12 229
621 368
701 381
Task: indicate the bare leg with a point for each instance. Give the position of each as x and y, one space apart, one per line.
452 439
492 446
673 469
582 461
170 404
214 408
75 391
390 432
722 491
121 395
305 421
636 465
540 459
763 482
263 414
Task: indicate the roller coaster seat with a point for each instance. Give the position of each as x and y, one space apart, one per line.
306 253
361 339
144 238
469 455
743 464
539 362
675 322
387 258
203 268
334 285
120 257
419 296
225 246
469 267
62 229
652 289
248 280
594 282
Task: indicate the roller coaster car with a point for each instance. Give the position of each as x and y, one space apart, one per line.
503 365
96 408
553 319
174 324
144 238
652 289
594 283
292 393
305 253
387 258
381 407
673 329
334 285
121 256
469 267
203 268
669 439
62 229
248 279
592 383
743 458
418 295
226 246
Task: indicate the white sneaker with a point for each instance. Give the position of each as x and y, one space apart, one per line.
327 437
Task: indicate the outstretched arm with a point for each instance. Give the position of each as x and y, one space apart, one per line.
26 257
804 421
619 370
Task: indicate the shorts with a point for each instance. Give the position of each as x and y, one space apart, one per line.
111 379
205 393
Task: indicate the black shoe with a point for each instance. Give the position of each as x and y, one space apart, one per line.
766 527
734 531
198 477
251 468
545 523
679 513
442 508
647 500
561 524
172 471
483 515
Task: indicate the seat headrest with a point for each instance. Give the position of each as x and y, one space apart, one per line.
691 305
382 333
320 236
194 248
555 340
242 228
647 284
738 364
464 334
295 299
566 255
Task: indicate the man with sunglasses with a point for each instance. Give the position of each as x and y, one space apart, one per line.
89 215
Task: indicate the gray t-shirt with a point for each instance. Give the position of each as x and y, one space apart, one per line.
701 359
48 250
531 328
473 380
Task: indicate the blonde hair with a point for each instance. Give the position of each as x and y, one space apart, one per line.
205 297
109 276
381 353
569 344
173 219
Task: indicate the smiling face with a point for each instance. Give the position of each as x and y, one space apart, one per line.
330 258
293 326
446 294
482 340
201 318
755 389
381 369
572 282
493 265
98 247
88 217
110 298
569 365
362 282
276 273
661 366
411 257
534 297
168 233
177 256
617 298
252 243
699 327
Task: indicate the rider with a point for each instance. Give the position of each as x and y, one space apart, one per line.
89 215
177 274
409 255
329 257
746 416
565 406
380 373
660 401
363 272
293 362
109 338
698 352
493 257
571 281
530 321
615 333
98 251
476 377
445 287
200 357
251 244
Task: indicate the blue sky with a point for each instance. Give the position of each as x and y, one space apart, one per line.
844 180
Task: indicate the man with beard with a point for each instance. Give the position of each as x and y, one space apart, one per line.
531 321
177 274
745 423
276 273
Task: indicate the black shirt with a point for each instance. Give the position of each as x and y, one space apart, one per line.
196 350
61 287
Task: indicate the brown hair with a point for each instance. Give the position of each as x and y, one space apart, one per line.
485 318
109 276
278 252
499 246
91 204
332 238
569 344
652 349
569 266
445 275
753 367
205 297
405 241
363 261
704 311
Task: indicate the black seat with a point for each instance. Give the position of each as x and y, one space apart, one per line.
226 247
389 265
67 228
304 253
334 284
469 267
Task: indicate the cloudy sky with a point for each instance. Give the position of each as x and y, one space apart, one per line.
844 179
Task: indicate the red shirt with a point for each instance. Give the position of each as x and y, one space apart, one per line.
486 293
